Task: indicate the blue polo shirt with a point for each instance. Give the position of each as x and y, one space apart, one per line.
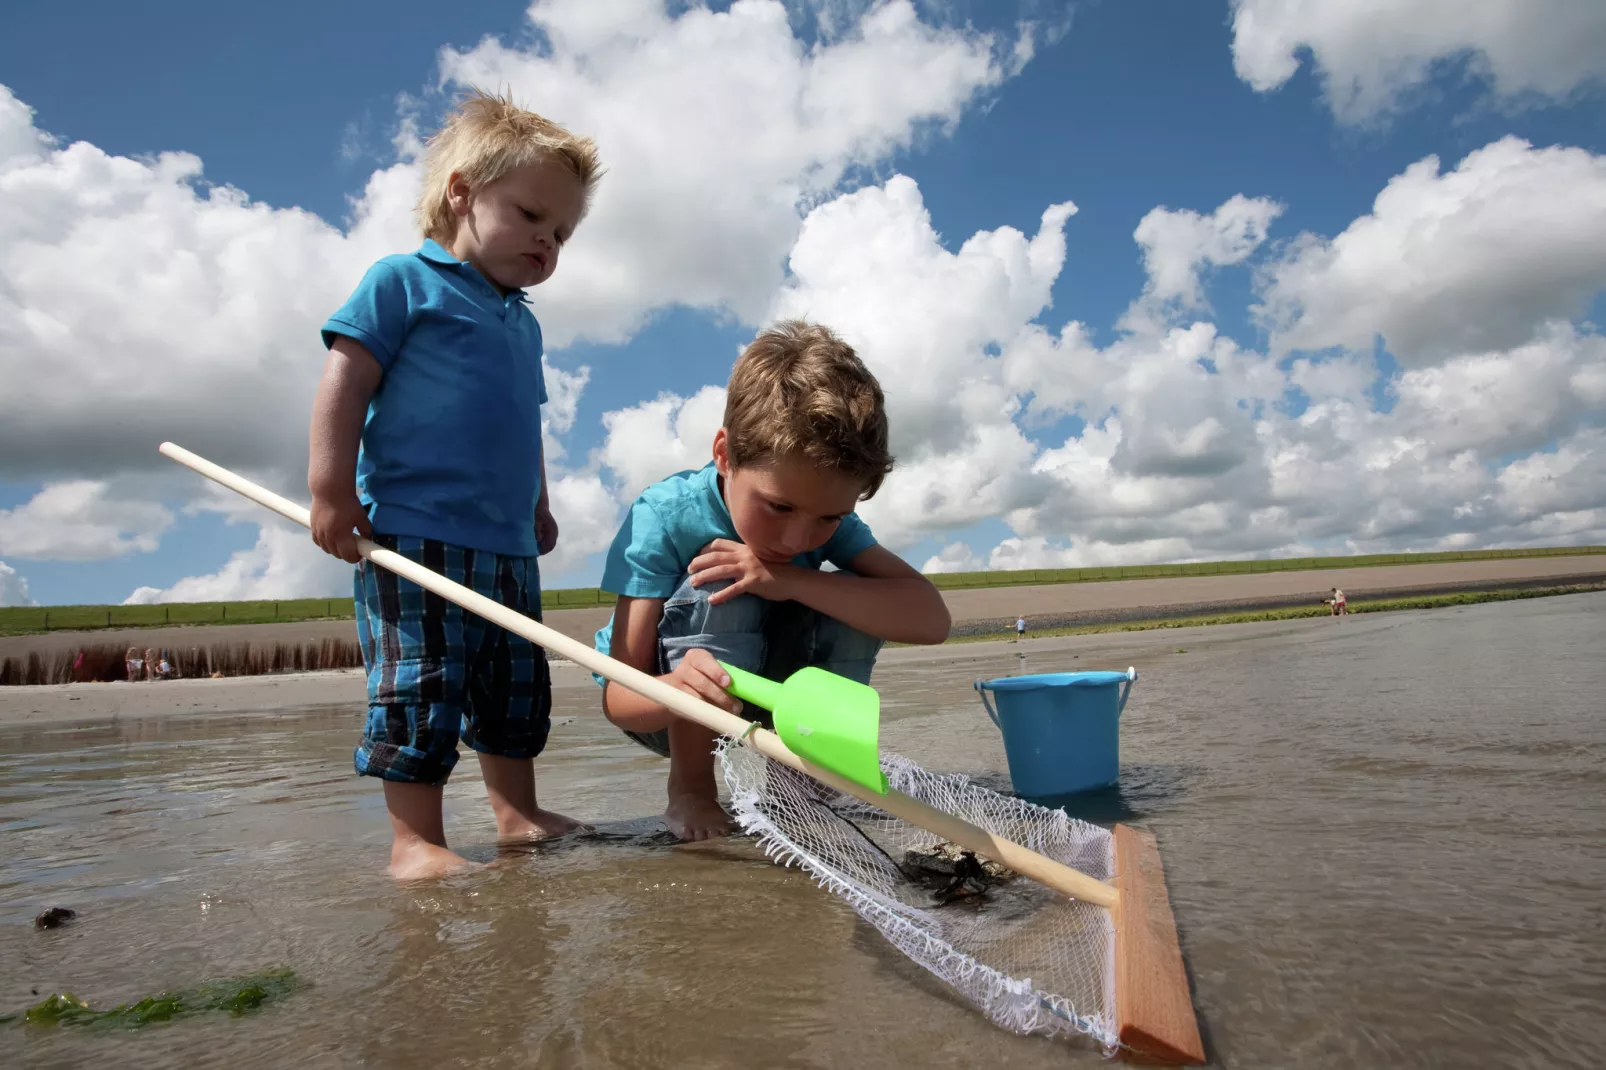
676 517
451 446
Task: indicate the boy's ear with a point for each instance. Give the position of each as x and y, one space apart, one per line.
722 453
458 194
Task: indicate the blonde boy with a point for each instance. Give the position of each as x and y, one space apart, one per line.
723 563
426 436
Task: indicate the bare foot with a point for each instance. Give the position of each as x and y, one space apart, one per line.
697 817
420 860
544 826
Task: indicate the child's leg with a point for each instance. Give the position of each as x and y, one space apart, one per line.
510 785
510 700
418 835
734 633
693 811
415 703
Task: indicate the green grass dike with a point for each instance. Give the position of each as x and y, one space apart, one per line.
1381 605
33 620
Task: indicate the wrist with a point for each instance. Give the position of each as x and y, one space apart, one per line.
333 492
789 581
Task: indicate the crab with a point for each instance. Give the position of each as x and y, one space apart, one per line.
953 873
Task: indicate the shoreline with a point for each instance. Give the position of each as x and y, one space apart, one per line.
984 609
574 692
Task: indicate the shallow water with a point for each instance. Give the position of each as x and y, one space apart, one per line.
1385 840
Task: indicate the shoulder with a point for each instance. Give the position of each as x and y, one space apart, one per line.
685 507
392 282
682 501
395 268
664 527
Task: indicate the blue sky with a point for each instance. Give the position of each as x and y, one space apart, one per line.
1123 108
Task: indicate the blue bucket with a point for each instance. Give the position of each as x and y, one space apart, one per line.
1061 730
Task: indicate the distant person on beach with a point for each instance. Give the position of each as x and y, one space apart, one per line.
723 563
152 664
1020 628
426 438
133 664
1340 606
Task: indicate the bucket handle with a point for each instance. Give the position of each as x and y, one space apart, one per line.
1131 677
987 704
1120 707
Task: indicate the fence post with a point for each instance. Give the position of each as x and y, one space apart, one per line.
108 618
47 620
225 611
275 611
167 615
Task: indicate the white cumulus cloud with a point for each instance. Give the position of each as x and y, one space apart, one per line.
871 265
1478 257
717 129
81 521
660 437
284 563
13 587
1178 244
1371 54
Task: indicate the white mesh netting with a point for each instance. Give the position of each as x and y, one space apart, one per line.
1031 960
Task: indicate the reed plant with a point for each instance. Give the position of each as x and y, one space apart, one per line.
104 662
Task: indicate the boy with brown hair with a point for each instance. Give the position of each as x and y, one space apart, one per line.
723 563
426 436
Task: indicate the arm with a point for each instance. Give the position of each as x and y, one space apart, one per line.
886 598
635 642
546 526
350 377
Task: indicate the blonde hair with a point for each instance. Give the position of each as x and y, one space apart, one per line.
799 391
483 139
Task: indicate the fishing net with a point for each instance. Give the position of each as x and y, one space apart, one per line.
1030 959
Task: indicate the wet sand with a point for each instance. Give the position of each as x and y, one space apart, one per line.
1382 837
1043 606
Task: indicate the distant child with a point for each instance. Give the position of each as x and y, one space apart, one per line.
1339 603
1020 628
426 437
725 562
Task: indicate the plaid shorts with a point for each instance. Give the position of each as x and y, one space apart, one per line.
437 672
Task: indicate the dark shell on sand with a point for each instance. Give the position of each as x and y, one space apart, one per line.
54 918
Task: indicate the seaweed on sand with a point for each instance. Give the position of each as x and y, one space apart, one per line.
236 996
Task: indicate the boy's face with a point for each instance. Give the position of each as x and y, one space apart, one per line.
786 507
513 229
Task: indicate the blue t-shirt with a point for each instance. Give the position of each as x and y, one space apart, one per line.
451 446
675 518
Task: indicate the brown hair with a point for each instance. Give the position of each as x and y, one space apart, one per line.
800 391
485 138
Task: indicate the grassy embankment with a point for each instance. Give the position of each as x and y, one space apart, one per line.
1381 605
30 620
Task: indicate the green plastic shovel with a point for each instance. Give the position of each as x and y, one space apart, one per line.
823 718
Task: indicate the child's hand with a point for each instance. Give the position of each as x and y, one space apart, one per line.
700 674
332 524
724 559
546 530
